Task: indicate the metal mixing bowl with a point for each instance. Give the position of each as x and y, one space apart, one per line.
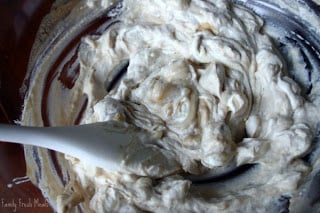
21 19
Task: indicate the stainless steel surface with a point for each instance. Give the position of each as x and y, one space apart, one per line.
293 33
290 30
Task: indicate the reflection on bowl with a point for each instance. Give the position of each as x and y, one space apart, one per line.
19 21
20 40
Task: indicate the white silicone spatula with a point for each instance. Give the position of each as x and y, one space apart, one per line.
98 143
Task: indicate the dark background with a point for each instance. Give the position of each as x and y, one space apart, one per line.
19 21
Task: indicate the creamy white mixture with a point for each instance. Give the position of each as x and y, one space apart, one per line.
211 88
